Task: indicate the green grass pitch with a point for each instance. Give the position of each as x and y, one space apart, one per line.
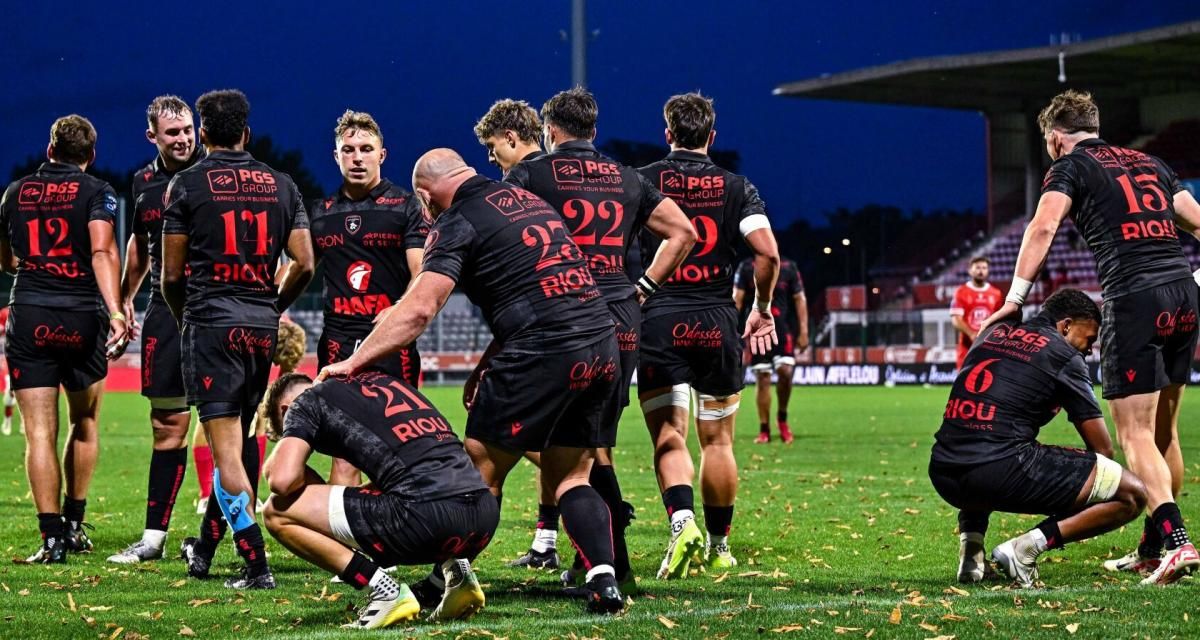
838 535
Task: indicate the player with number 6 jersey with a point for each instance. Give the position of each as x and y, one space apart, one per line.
605 204
690 336
227 220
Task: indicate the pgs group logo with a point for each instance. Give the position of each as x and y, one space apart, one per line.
671 183
568 171
222 181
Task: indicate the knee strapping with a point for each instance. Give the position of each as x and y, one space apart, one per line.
177 404
716 407
676 396
1108 479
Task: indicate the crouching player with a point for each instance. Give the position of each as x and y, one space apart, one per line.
987 458
425 503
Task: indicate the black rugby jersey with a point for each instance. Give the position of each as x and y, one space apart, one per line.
362 247
603 202
783 298
716 201
386 428
513 256
238 214
1014 380
149 189
1122 201
44 216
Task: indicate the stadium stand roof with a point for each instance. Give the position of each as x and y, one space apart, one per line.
1129 65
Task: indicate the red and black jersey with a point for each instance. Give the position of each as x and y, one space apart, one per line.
44 217
237 213
716 201
1122 201
362 246
1015 379
513 255
149 188
603 202
386 428
783 300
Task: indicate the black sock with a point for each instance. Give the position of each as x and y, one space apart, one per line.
764 428
678 497
973 522
1049 528
781 416
167 469
251 463
1169 524
359 571
73 510
212 526
586 520
252 549
51 524
718 520
604 480
1151 544
547 517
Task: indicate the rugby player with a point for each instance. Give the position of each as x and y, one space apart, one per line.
550 385
974 301
690 334
511 131
171 130
56 237
605 205
227 220
10 398
787 301
426 502
370 236
1128 206
987 458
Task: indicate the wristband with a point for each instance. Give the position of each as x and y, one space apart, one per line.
117 315
762 306
647 285
1018 290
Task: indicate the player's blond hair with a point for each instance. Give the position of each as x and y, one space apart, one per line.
510 115
1071 111
269 415
73 138
166 105
352 121
290 346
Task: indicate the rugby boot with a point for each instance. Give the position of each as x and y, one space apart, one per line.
1133 561
381 611
1176 563
463 596
140 551
687 543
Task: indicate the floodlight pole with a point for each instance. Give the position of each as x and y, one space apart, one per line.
579 43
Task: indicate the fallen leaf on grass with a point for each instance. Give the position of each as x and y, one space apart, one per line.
99 608
942 638
197 602
117 633
846 629
71 603
788 628
928 627
953 617
23 592
722 578
956 591
178 583
187 631
91 622
667 622
906 557
1072 628
896 616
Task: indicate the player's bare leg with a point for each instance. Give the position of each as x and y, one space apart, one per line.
783 392
10 399
666 412
543 551
718 474
762 400
1136 418
1109 499
39 414
168 465
300 522
79 460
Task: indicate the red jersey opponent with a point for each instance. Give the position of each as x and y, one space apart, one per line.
973 302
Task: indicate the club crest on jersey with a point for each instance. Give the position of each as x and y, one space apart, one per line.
359 276
353 223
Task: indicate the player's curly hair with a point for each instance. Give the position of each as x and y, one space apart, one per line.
269 410
574 111
73 138
291 345
690 118
351 121
223 116
510 115
1071 303
1072 111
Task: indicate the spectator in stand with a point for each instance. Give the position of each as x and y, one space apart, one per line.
973 302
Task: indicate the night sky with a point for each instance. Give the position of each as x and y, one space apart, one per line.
428 70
